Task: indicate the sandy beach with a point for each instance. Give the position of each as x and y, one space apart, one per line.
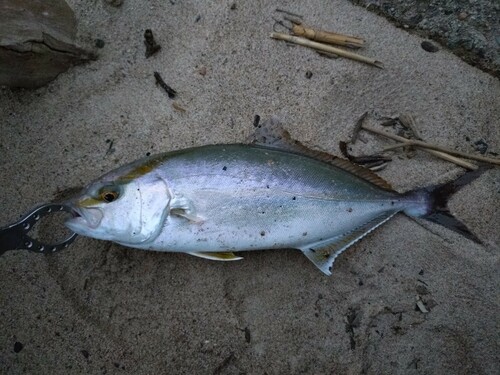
101 308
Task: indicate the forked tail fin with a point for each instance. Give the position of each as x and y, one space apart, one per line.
437 197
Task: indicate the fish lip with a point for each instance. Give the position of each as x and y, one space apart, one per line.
87 217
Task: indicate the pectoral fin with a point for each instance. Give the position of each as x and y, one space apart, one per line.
184 207
324 253
225 257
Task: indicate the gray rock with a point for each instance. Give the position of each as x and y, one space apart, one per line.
37 42
469 28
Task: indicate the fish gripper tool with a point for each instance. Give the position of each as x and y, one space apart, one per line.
15 236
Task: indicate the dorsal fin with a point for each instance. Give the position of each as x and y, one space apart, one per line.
272 134
361 172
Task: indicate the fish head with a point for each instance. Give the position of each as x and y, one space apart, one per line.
125 210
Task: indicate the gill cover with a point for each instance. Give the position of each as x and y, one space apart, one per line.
155 199
128 213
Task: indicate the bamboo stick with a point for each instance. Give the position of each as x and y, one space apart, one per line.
326 48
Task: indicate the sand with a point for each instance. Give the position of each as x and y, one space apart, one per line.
101 308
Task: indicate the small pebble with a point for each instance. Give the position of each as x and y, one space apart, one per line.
256 121
248 336
429 47
99 43
18 347
462 16
309 74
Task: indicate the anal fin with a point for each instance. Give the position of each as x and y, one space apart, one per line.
221 256
324 253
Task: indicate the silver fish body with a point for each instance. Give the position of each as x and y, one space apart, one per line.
246 198
229 198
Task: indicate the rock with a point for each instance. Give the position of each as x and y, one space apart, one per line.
37 42
99 43
429 47
18 347
468 28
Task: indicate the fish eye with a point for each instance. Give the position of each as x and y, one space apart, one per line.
108 195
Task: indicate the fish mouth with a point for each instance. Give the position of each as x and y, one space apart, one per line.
88 218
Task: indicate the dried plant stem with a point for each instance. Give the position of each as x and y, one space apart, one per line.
327 36
326 48
452 159
434 149
465 155
357 127
397 145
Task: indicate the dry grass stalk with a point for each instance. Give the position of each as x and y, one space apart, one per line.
438 151
326 48
327 36
178 107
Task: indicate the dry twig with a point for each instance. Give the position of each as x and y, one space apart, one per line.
151 46
170 91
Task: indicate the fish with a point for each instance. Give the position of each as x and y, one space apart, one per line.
216 200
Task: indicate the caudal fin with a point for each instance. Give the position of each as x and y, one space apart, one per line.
438 197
